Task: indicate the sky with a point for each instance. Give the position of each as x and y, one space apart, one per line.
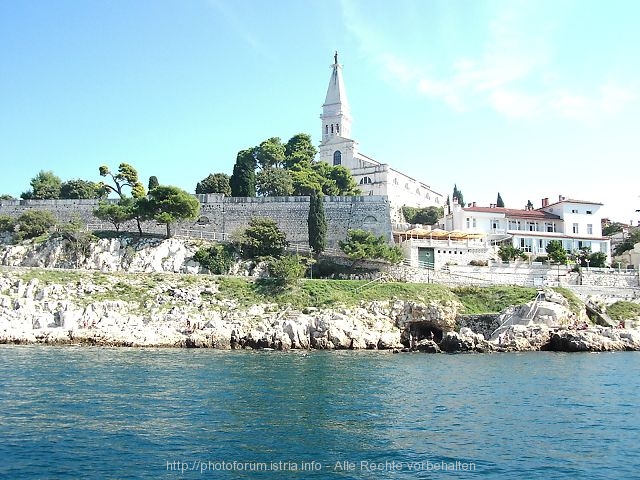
530 99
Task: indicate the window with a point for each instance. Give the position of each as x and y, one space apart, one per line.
575 228
427 196
437 200
406 185
395 181
337 157
474 223
589 212
337 128
589 229
326 129
574 211
468 222
418 191
495 224
532 226
550 227
526 244
365 181
332 128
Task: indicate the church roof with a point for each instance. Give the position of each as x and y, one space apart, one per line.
336 93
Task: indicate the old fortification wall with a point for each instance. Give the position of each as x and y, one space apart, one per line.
227 215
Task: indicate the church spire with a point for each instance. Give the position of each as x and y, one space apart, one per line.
336 114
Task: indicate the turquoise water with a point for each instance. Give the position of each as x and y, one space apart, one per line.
83 412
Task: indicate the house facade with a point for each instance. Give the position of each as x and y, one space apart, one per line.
576 223
373 177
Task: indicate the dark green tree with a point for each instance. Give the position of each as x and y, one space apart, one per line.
299 150
598 260
44 186
362 245
6 196
611 228
262 238
317 224
270 153
168 204
7 223
215 183
82 189
628 243
457 195
556 252
499 201
344 183
243 180
153 182
274 182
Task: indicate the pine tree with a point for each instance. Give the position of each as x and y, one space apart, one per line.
499 201
317 224
153 182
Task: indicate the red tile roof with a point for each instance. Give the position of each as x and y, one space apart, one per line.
515 213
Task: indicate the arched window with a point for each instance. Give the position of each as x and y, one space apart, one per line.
326 129
395 181
337 128
365 180
337 157
418 191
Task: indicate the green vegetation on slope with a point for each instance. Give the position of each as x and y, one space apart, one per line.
575 304
623 310
492 299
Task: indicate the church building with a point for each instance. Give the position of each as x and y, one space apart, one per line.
373 178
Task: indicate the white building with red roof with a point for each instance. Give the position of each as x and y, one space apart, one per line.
576 223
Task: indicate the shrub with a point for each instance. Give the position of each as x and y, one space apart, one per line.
286 270
509 252
34 223
262 238
479 263
218 259
7 223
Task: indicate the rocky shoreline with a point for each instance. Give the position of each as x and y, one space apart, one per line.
175 313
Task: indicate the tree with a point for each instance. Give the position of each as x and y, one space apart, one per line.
34 223
243 180
628 243
6 196
598 260
153 182
317 224
274 182
168 204
299 150
306 180
457 195
214 183
611 228
361 245
116 213
127 176
262 238
424 216
556 252
499 201
509 252
344 182
270 153
44 186
82 189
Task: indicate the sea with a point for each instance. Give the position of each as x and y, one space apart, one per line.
118 413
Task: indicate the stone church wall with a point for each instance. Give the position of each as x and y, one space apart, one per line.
227 215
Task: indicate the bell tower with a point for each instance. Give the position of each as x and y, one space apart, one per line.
336 147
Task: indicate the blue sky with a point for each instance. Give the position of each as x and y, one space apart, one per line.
529 99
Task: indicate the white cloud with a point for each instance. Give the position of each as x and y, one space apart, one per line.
511 74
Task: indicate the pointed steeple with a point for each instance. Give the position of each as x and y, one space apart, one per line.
336 114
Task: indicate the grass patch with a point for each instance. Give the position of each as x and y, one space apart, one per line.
623 310
328 293
479 300
575 304
49 277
